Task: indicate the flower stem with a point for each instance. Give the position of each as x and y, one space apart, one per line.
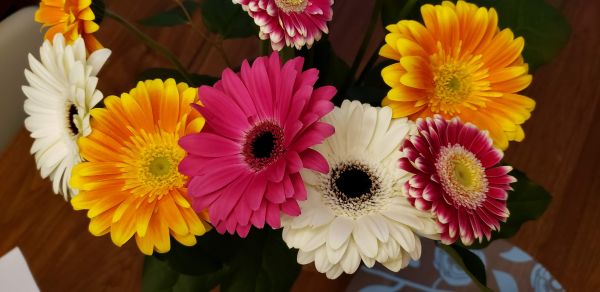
151 43
363 46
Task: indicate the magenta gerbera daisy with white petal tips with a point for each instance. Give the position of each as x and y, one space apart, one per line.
289 22
244 165
457 177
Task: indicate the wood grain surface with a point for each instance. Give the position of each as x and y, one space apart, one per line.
561 152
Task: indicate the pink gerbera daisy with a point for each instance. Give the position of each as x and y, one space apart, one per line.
289 22
244 165
457 177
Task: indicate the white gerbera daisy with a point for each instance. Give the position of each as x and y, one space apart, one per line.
358 210
61 92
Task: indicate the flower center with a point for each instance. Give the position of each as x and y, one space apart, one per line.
160 166
353 188
71 112
452 87
157 165
291 5
353 182
462 176
263 145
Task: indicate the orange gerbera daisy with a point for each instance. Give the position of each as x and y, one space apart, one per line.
130 183
72 18
459 64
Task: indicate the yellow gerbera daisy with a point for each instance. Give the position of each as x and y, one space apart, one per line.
458 64
130 183
72 18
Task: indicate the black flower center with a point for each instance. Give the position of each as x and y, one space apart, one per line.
263 145
354 182
72 112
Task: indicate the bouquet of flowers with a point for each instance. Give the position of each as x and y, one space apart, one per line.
295 157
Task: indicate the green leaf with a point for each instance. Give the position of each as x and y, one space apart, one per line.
263 263
158 276
166 73
98 7
470 263
543 27
528 201
172 17
260 262
227 19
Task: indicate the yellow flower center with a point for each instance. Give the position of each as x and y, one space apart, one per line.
156 165
291 5
452 87
462 176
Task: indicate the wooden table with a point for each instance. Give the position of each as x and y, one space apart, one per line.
561 152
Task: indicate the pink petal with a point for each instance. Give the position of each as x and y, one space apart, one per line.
255 192
273 216
299 188
291 208
313 136
275 193
314 160
258 217
209 145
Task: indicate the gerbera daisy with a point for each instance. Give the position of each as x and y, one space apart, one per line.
459 64
289 22
130 183
73 18
260 123
358 210
457 177
61 92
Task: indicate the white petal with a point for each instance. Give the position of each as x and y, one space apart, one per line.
403 236
377 225
334 272
365 240
351 260
339 232
305 257
321 261
335 255
97 60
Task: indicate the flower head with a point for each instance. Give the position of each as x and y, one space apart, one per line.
457 177
359 210
61 92
459 64
244 167
72 18
130 182
289 22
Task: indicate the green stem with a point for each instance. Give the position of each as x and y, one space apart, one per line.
363 46
459 261
406 9
151 43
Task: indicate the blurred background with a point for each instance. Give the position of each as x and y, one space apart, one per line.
561 150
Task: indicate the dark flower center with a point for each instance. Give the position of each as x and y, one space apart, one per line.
354 182
72 112
263 145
